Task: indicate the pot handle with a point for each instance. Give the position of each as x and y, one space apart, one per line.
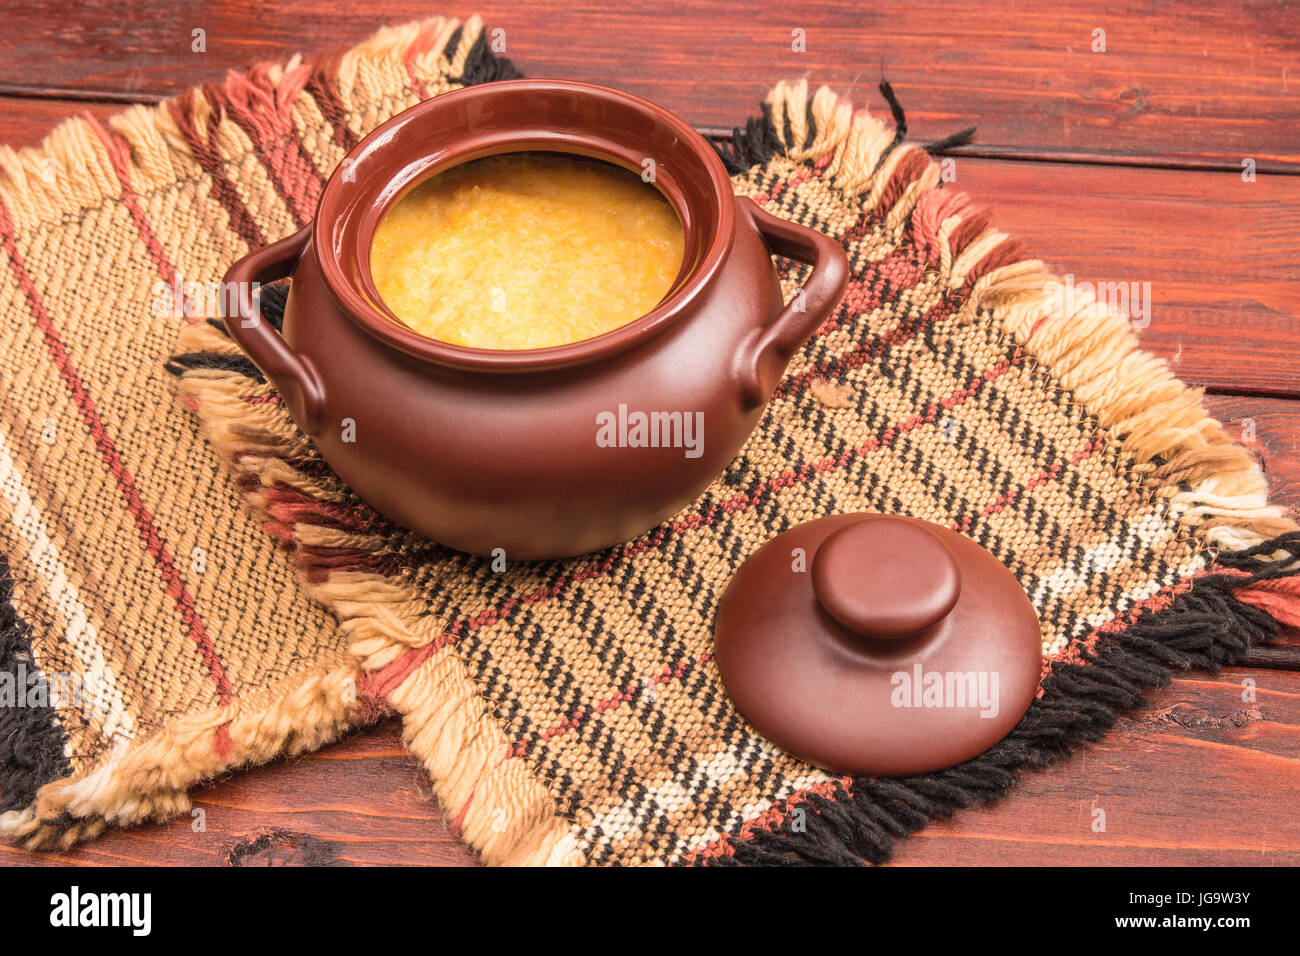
766 353
291 373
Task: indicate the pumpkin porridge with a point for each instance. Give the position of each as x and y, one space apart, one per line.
526 251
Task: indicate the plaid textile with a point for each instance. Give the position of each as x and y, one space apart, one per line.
567 711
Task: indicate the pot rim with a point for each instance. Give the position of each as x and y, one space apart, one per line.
342 198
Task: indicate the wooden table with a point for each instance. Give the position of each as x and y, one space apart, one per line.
1117 165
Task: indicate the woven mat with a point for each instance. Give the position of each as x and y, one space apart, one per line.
189 591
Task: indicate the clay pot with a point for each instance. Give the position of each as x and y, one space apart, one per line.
539 452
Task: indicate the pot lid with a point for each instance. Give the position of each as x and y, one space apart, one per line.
878 644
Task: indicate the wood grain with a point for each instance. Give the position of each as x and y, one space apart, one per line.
1179 83
1222 256
1194 778
362 801
26 122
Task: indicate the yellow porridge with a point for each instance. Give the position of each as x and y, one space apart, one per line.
525 251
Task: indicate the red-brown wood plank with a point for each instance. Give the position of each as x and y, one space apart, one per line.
25 122
1180 82
1197 777
1222 256
1271 428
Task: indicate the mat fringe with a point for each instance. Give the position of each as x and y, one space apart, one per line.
32 742
1212 485
498 806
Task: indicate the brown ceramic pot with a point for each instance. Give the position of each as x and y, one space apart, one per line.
535 452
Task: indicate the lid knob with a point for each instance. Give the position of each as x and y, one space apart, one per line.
886 578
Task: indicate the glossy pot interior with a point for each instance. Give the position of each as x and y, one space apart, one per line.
535 452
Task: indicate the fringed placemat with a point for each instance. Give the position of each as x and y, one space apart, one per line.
150 636
567 712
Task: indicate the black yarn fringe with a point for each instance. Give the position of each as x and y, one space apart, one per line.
481 65
1205 627
31 742
754 145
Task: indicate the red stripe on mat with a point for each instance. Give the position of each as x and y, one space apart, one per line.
1048 474
263 115
419 46
119 153
144 520
853 359
208 155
